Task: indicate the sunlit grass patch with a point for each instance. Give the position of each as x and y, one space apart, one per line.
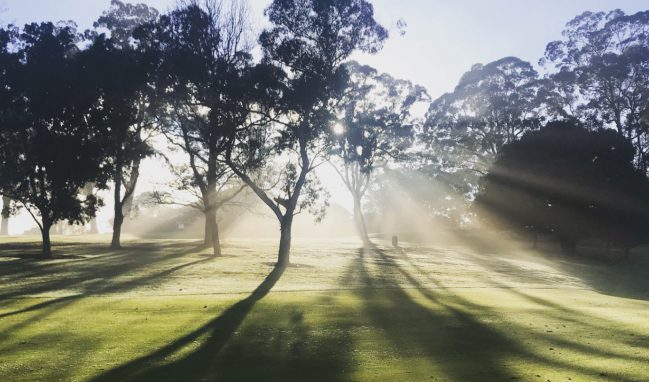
165 311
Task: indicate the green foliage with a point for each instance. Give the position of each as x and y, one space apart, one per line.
49 147
570 182
602 74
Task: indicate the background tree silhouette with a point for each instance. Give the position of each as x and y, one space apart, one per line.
601 74
570 182
376 126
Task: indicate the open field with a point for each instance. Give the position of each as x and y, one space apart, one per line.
167 311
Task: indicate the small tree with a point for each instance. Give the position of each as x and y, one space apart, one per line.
376 127
48 147
5 213
309 40
570 182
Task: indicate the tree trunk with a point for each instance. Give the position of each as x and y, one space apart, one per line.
283 257
627 253
207 235
4 215
211 238
47 244
118 218
117 228
216 242
359 219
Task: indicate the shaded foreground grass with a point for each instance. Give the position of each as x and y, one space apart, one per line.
165 311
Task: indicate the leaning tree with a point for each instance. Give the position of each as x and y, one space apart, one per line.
49 146
376 128
309 40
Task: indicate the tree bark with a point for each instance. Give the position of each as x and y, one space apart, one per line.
211 238
4 215
46 252
117 227
359 219
283 257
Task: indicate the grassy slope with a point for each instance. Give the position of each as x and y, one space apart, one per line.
165 311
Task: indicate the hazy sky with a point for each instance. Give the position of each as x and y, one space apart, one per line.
443 39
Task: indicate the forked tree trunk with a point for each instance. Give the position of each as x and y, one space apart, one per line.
46 252
4 215
117 228
211 238
283 257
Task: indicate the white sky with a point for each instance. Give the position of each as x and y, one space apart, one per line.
443 39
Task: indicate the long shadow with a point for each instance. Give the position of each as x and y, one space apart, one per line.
450 335
198 363
626 279
103 289
450 338
124 264
104 263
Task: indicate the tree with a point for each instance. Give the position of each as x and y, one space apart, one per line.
4 215
204 71
376 127
601 74
309 40
124 74
570 182
49 148
492 105
9 61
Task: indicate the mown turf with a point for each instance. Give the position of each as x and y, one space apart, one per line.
166 311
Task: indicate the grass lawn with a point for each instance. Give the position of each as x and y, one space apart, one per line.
167 311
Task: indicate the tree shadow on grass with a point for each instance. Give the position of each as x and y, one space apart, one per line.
609 276
197 364
277 343
85 278
450 334
448 337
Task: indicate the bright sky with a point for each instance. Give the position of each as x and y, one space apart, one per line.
443 39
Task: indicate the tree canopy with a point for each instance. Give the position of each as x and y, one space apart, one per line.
570 182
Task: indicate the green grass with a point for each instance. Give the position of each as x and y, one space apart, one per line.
167 311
